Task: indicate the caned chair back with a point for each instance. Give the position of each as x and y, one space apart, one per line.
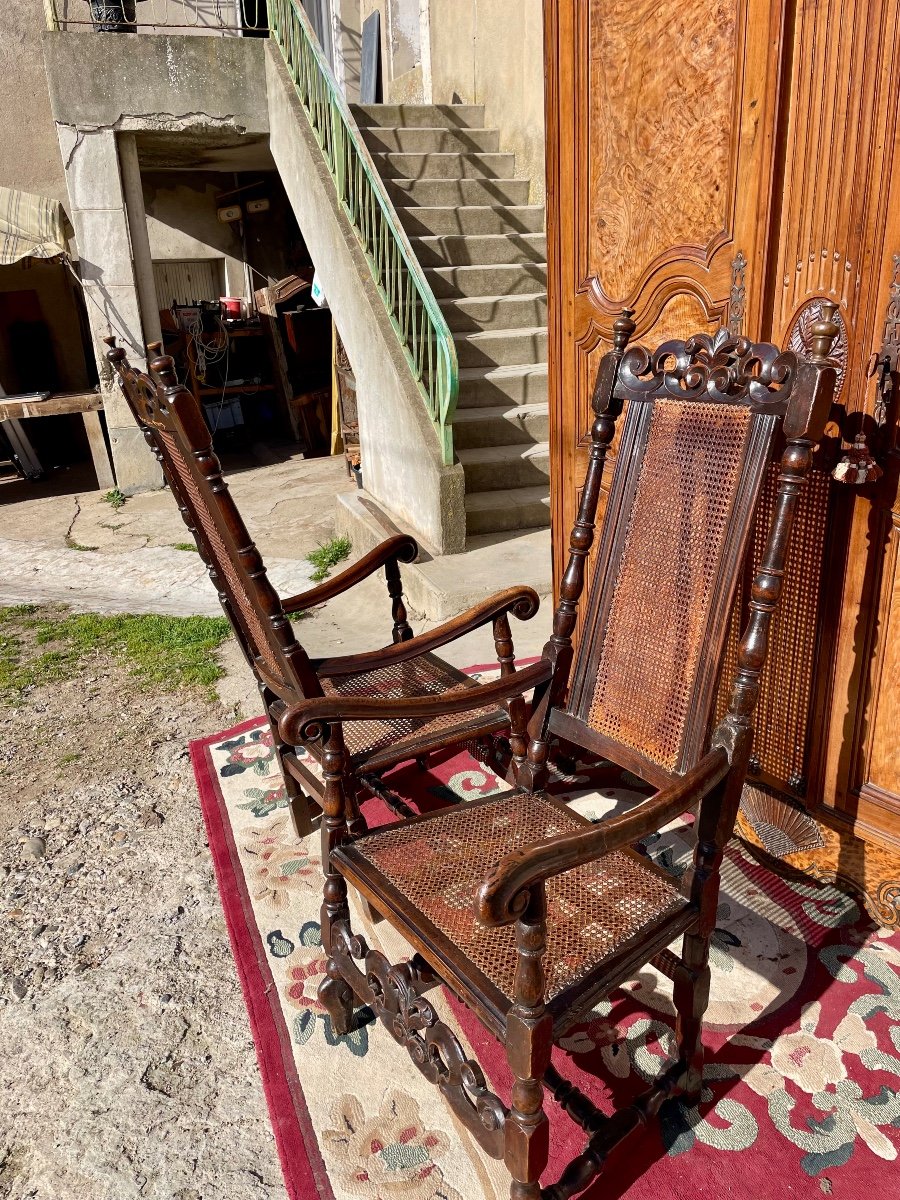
176 431
694 447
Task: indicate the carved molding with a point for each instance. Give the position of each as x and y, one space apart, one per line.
799 337
395 994
738 299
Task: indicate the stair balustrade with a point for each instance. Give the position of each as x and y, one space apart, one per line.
415 315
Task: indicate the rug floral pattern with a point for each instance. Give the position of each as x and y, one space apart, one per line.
803 1063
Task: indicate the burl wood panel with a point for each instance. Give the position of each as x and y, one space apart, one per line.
659 135
662 79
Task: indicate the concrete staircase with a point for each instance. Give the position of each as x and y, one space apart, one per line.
483 250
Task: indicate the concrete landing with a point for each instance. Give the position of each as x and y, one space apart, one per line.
129 561
441 587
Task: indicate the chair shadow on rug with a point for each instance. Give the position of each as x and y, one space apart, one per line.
174 428
526 911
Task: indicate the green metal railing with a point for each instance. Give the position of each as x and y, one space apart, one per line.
415 314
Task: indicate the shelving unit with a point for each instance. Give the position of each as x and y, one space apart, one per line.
246 358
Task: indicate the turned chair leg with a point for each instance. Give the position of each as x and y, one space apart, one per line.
301 813
301 816
529 1039
334 992
691 997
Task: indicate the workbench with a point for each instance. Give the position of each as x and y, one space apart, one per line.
54 404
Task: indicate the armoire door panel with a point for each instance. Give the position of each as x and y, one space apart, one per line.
829 240
882 752
660 104
734 162
660 127
862 767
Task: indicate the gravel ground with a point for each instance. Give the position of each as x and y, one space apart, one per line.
128 1068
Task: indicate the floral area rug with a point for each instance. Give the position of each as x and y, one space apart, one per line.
802 1075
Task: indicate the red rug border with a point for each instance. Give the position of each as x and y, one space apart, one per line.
302 1166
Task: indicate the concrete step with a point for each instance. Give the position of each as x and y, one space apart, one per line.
481 249
412 116
472 314
502 347
489 468
507 509
435 140
441 587
445 166
481 387
514 279
473 219
441 193
503 425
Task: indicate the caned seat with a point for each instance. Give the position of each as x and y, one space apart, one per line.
378 743
437 863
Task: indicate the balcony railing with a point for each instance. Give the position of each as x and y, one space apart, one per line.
223 17
415 314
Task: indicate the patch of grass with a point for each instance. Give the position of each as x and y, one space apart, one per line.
73 545
328 555
66 759
115 499
185 546
173 651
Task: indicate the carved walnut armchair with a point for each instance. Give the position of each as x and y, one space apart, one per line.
525 910
174 428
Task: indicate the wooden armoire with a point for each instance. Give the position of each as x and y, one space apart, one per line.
735 162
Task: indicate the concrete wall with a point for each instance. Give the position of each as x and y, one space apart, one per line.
30 161
165 82
491 52
30 157
488 52
182 222
346 40
109 89
401 458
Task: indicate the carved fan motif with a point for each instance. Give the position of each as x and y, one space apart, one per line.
799 338
780 827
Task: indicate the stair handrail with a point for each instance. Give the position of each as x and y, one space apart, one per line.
421 329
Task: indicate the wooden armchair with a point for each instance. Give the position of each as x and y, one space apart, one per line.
406 669
519 905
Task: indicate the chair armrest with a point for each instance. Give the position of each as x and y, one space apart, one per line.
304 721
503 895
522 602
400 548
